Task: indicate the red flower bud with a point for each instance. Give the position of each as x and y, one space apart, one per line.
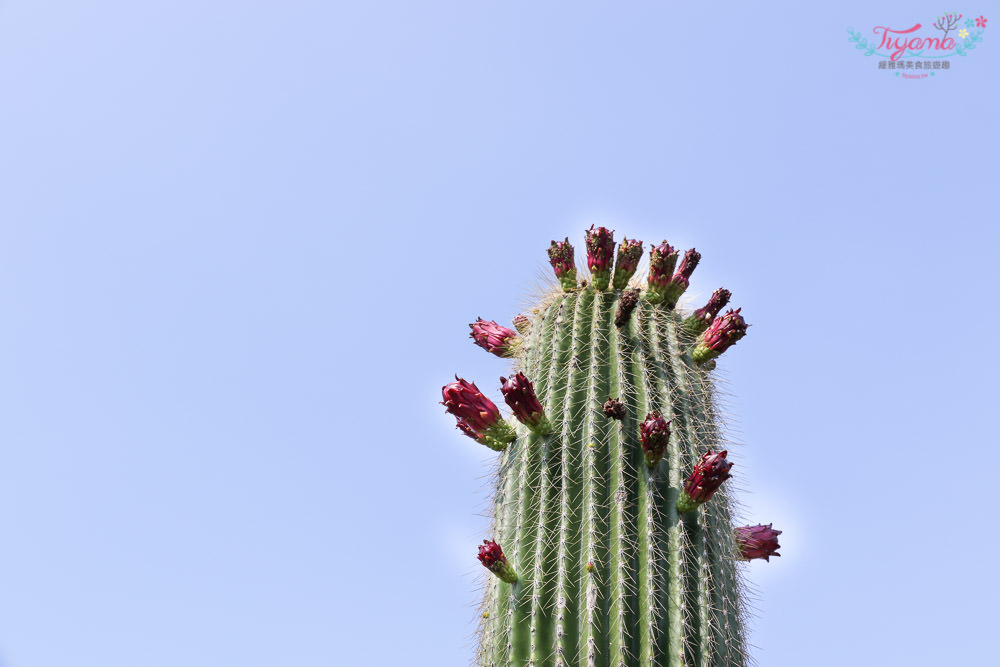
629 253
561 258
491 556
522 324
758 542
688 264
702 318
706 478
679 282
494 338
655 435
720 336
477 416
662 260
519 394
600 253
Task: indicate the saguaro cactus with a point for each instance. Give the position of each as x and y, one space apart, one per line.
612 543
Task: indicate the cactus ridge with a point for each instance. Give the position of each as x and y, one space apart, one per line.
609 573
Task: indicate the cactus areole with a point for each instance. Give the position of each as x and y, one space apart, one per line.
613 542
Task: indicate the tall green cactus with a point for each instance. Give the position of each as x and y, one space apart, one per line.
609 546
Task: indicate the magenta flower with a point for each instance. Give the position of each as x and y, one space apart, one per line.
720 336
519 394
981 22
629 254
758 542
702 318
477 416
600 253
708 475
522 324
655 435
561 259
662 260
491 556
494 338
679 282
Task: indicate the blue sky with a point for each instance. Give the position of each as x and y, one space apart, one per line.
240 246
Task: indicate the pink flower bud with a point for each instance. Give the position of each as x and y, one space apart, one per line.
600 253
491 556
561 258
629 253
494 338
519 394
655 435
758 542
720 336
522 324
708 475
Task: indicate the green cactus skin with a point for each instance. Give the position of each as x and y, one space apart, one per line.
609 574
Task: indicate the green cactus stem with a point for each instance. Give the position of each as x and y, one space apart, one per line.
614 567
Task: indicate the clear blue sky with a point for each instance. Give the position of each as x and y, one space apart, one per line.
240 244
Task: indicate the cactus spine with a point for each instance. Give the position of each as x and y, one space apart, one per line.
608 571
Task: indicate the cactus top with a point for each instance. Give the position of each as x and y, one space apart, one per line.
618 521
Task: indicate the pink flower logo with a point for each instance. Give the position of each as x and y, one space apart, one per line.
981 22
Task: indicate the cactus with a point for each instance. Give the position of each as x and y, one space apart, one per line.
613 543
